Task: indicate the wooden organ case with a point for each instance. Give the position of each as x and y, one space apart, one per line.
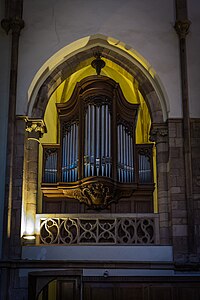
97 165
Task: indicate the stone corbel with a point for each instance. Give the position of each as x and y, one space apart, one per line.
159 133
182 28
13 24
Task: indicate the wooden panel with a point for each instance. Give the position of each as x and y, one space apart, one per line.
99 291
188 293
115 288
68 289
164 293
123 206
52 206
71 206
143 207
65 290
129 293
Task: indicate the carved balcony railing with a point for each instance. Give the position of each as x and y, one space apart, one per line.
116 229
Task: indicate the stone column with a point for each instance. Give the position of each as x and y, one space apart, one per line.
14 25
34 131
182 26
159 135
17 180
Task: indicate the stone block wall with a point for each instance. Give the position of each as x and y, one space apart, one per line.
195 145
176 185
17 184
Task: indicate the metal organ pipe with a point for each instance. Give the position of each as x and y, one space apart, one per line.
92 141
125 155
64 158
144 169
127 158
73 149
86 144
124 152
122 155
106 139
50 171
131 159
102 142
76 152
109 143
88 147
97 141
97 148
70 154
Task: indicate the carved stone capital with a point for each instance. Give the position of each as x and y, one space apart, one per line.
182 28
13 24
35 126
159 133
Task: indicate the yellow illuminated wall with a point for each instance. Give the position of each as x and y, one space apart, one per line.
63 93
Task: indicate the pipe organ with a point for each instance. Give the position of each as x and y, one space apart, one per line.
97 145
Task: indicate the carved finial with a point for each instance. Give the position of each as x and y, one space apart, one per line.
98 63
182 28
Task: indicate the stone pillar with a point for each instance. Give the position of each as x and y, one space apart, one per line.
34 130
182 26
17 170
13 24
177 190
159 135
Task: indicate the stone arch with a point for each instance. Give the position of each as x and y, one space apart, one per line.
148 87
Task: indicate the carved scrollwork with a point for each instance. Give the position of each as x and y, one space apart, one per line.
95 195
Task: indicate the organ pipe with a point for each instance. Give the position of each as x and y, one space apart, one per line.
50 170
125 155
144 169
70 154
97 141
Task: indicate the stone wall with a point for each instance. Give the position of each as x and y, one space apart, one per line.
176 184
17 184
195 143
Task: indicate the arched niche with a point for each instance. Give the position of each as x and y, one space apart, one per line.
147 86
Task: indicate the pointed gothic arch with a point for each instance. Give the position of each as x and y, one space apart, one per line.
147 86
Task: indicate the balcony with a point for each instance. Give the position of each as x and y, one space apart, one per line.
97 229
